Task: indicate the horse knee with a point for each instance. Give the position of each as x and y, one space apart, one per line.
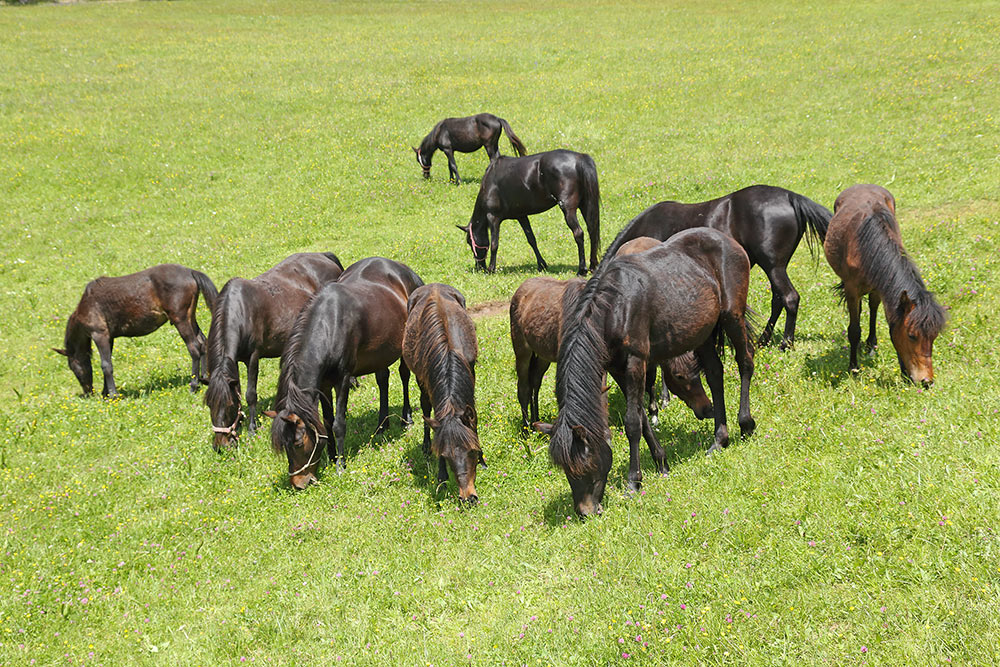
792 301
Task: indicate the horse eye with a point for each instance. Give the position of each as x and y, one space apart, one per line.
913 338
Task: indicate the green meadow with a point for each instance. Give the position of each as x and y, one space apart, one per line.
857 526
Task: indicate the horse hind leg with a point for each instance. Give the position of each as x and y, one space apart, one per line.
736 331
382 380
783 297
195 347
404 378
569 213
711 365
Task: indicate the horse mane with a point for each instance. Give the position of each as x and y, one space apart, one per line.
452 377
889 268
429 143
290 397
583 355
76 340
626 233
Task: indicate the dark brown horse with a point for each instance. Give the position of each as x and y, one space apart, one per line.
514 188
440 348
767 221
465 135
136 305
352 327
864 247
254 320
624 319
536 314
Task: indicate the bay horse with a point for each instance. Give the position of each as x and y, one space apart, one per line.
767 221
625 319
440 348
514 188
865 249
465 135
350 328
253 321
136 305
537 310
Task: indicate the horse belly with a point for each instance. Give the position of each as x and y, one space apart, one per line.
134 323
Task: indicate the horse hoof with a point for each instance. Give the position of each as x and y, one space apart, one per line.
747 429
716 447
633 488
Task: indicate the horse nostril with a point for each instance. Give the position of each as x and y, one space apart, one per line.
927 383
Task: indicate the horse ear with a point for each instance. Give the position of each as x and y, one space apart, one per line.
464 229
543 428
415 150
482 459
905 305
59 351
433 423
470 415
579 432
292 418
269 413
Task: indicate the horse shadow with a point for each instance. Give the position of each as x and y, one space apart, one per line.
158 383
532 267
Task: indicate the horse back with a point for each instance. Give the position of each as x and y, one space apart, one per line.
537 311
843 250
437 324
138 303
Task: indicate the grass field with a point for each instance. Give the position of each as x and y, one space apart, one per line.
857 526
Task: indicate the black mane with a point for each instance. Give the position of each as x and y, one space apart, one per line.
290 397
888 267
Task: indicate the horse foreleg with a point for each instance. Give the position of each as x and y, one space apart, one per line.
404 377
853 326
343 389
712 367
452 166
569 214
493 224
874 299
425 410
328 417
105 344
736 330
522 365
790 302
194 348
382 380
633 384
529 234
253 371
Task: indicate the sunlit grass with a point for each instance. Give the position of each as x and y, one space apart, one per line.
857 525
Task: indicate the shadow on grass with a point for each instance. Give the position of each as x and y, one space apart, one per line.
831 367
157 384
532 268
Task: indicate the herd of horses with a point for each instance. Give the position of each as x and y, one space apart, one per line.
668 293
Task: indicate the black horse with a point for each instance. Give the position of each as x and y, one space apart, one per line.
767 221
350 328
514 188
465 135
625 319
253 320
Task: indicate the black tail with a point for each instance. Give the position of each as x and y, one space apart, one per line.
751 324
207 288
813 219
514 141
590 202
334 259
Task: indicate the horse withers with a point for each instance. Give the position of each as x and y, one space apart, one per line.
253 321
465 135
767 221
440 348
624 320
352 327
514 188
865 249
136 305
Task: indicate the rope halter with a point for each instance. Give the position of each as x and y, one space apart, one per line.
231 430
318 436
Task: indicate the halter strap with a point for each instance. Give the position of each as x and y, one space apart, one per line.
476 246
319 436
230 430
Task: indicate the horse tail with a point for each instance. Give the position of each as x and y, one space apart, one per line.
207 288
514 141
590 201
333 258
751 326
812 218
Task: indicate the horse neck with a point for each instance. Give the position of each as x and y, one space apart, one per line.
429 144
583 354
889 268
77 338
448 372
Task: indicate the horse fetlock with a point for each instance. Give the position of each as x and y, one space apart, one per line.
747 426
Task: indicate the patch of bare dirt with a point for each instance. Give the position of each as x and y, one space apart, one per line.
488 308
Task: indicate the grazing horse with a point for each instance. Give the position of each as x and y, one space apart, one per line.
440 348
465 135
536 315
865 249
624 319
516 187
253 320
136 305
767 221
352 327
